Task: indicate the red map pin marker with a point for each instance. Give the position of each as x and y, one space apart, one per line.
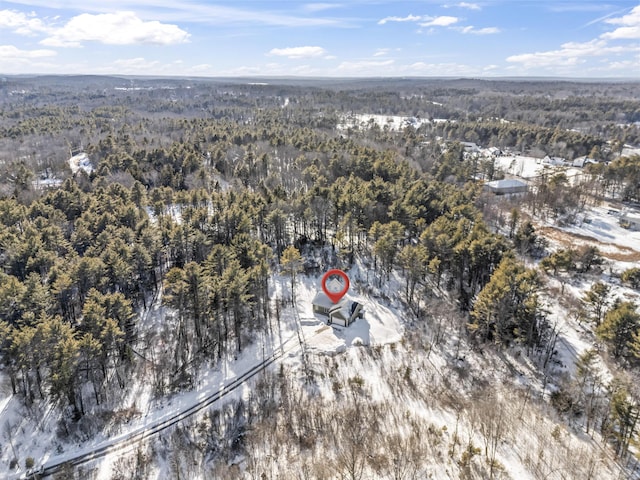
334 295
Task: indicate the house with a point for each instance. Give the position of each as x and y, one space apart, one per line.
553 161
582 162
343 313
506 187
470 147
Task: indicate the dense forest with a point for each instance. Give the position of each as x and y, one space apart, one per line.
201 191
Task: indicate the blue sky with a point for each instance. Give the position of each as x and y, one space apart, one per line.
359 38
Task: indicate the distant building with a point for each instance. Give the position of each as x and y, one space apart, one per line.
470 147
553 161
46 183
582 162
506 187
343 313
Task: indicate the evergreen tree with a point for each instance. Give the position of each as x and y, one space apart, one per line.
596 300
620 325
508 308
291 262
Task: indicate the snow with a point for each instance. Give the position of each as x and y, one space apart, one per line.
80 162
605 228
382 327
392 122
46 183
629 151
520 165
379 326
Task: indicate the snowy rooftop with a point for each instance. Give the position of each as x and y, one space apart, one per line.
323 301
507 183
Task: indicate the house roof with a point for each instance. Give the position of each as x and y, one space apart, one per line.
507 183
321 300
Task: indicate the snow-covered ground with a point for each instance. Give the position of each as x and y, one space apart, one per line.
392 122
79 162
603 224
379 326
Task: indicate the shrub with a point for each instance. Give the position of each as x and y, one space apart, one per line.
632 277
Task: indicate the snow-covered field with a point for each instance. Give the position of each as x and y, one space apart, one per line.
603 225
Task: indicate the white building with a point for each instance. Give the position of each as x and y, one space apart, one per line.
553 161
506 187
582 162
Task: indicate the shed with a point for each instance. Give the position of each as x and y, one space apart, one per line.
506 187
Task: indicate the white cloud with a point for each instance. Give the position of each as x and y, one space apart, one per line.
202 68
470 6
479 31
441 21
578 53
13 53
119 28
630 19
135 64
438 69
319 7
408 18
21 23
299 52
175 11
628 65
365 67
571 53
381 52
630 26
631 33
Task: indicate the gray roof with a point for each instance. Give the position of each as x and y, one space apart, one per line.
508 183
323 301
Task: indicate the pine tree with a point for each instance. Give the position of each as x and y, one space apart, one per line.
588 386
413 260
291 262
596 300
620 325
624 414
507 308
